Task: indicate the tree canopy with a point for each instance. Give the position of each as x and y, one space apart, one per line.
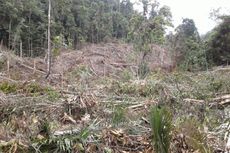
23 26
74 21
218 47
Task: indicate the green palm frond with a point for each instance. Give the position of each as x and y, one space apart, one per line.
161 124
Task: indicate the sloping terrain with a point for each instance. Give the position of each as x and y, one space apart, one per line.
94 102
102 59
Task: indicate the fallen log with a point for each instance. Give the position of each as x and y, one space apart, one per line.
66 132
221 98
218 101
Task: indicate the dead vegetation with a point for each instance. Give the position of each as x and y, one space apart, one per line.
95 102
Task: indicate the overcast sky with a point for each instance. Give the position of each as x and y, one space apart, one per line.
198 10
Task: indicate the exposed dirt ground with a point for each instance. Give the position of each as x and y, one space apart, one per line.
102 59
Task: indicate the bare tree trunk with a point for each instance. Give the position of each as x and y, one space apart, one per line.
1 44
9 41
49 44
31 48
119 7
29 39
8 67
21 48
34 67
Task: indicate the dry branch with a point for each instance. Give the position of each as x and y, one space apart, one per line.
8 79
99 54
31 68
221 98
66 132
193 100
222 69
121 64
218 101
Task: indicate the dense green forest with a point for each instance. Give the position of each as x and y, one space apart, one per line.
73 22
78 21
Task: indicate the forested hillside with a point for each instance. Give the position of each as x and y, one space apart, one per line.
99 76
74 22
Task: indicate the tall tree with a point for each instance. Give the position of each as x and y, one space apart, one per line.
147 31
188 49
218 46
184 32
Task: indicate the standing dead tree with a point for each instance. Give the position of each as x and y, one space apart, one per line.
49 44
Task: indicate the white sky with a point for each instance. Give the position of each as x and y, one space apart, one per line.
198 10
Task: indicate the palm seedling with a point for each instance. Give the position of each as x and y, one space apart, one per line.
161 125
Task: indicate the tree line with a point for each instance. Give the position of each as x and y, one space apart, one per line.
72 22
23 26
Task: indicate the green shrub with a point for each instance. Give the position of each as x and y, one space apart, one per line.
52 94
143 70
126 75
34 88
118 115
56 52
64 144
7 87
144 89
80 70
122 88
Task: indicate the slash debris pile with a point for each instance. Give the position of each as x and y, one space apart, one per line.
86 111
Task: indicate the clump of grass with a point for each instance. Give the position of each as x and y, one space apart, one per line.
118 115
45 128
33 88
144 89
123 88
8 88
161 125
52 94
126 75
143 70
64 143
79 71
56 52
